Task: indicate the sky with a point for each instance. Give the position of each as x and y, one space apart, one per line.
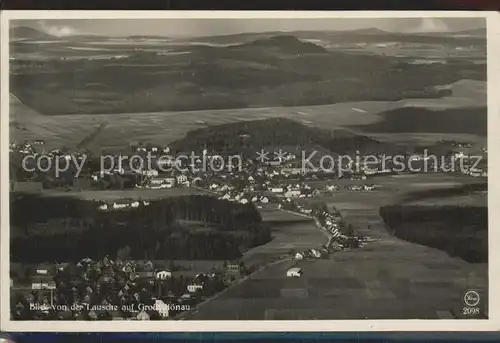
213 27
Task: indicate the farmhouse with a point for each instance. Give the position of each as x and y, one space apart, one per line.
292 194
163 275
162 308
118 206
143 315
182 179
192 288
294 272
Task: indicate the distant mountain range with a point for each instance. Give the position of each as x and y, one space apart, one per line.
262 70
24 32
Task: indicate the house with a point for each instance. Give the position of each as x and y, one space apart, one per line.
277 190
150 173
163 275
331 188
182 179
233 268
192 288
369 187
299 256
143 315
117 206
103 207
292 194
336 246
264 200
162 308
294 272
315 253
186 297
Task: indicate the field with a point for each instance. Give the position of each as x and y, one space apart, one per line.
112 195
290 232
164 127
389 278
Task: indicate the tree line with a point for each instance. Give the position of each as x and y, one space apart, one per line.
460 231
66 229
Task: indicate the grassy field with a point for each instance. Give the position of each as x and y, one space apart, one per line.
164 127
112 195
290 232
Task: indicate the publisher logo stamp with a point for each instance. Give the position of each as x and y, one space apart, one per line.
471 298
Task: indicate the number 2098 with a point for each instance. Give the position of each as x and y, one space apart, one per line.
470 311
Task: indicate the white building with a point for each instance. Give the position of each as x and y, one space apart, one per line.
182 179
162 308
143 316
119 206
194 287
294 272
292 194
277 190
315 253
299 256
163 275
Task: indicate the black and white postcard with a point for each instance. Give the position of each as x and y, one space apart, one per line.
249 171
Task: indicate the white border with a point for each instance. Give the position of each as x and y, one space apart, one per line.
493 63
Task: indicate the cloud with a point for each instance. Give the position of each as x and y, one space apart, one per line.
57 30
432 25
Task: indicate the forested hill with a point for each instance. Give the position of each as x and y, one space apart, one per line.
60 229
278 132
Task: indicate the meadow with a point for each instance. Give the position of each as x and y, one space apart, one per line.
389 278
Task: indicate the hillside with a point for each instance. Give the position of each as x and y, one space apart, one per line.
288 44
23 32
413 119
369 35
277 132
270 71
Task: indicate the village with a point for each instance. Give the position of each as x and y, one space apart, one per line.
121 289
